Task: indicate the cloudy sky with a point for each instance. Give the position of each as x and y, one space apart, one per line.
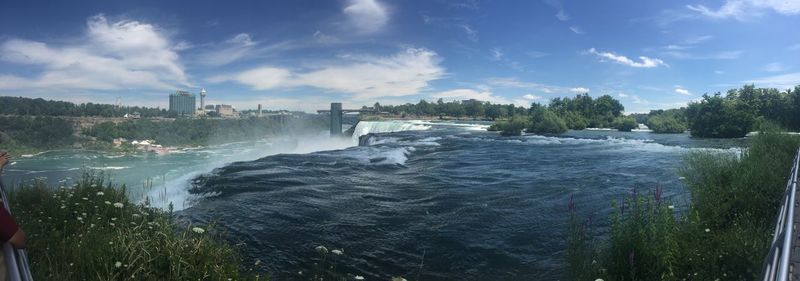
304 54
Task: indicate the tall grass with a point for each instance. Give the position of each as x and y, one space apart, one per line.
723 235
89 230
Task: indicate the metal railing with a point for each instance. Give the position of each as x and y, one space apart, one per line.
777 264
16 259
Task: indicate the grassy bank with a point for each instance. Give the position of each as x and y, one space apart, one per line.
89 230
723 235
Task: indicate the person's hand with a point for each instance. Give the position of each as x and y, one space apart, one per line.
3 160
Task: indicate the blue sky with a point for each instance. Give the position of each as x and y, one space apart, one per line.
304 54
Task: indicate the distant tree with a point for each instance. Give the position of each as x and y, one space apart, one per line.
625 123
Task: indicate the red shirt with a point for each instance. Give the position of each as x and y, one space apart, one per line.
8 227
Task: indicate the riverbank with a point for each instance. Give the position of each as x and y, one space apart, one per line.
88 230
723 234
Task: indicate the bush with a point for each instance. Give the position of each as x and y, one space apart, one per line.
717 117
575 121
511 127
723 235
666 124
625 124
91 231
547 122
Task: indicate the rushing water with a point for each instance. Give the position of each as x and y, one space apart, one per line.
442 201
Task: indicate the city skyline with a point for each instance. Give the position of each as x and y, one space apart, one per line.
302 55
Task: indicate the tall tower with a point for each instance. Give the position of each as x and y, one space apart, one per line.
259 110
203 99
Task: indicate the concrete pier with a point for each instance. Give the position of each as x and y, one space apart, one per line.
336 118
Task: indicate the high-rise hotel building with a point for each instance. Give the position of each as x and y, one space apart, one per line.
182 102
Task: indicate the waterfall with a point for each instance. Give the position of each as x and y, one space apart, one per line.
366 127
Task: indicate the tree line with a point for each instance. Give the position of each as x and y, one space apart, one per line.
41 107
561 114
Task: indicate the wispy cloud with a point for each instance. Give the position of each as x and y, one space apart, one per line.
325 39
484 95
366 16
795 47
724 55
124 54
784 81
743 9
774 67
579 90
682 91
644 62
404 73
536 54
576 29
561 14
472 34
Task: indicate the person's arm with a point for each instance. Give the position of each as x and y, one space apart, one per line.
9 231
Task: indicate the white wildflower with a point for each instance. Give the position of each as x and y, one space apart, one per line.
708 230
598 279
337 252
359 277
108 203
119 205
84 198
321 249
117 264
671 207
100 193
198 230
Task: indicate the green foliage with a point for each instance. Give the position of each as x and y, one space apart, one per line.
90 231
545 121
575 121
625 123
472 108
599 112
513 126
203 131
718 117
724 234
22 133
739 112
666 124
41 107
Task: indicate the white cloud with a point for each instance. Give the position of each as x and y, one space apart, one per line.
367 16
531 97
682 91
579 90
235 48
497 54
724 55
719 72
125 54
484 95
511 82
576 29
644 62
401 74
774 67
325 39
622 95
795 47
742 9
784 81
536 54
472 34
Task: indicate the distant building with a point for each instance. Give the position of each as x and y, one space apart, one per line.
225 110
182 102
469 101
259 110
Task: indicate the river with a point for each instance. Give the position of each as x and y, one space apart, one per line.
438 200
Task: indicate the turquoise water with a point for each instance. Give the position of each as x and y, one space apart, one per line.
476 205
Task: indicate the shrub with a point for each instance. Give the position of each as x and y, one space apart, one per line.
547 122
91 231
666 124
625 123
723 235
511 127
